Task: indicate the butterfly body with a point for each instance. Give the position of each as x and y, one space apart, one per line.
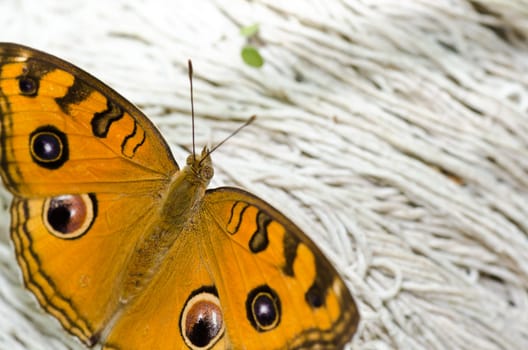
128 251
179 205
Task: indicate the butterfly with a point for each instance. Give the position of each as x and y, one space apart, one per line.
128 251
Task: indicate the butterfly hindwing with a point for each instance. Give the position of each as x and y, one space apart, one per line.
75 271
166 315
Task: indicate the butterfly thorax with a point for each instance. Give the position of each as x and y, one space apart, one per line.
178 204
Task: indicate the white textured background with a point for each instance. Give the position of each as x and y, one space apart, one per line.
394 132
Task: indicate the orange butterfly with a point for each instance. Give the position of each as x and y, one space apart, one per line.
127 250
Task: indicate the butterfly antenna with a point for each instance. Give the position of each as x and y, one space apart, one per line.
189 63
246 123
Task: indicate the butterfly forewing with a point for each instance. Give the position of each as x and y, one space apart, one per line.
275 261
63 131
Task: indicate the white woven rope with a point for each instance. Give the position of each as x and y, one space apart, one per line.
395 133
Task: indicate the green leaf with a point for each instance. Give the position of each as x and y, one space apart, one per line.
252 57
249 31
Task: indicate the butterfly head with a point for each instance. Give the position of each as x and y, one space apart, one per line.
200 166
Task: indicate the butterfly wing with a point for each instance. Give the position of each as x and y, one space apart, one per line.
274 287
183 289
277 289
87 170
76 276
64 131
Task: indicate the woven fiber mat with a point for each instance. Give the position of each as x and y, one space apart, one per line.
394 133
